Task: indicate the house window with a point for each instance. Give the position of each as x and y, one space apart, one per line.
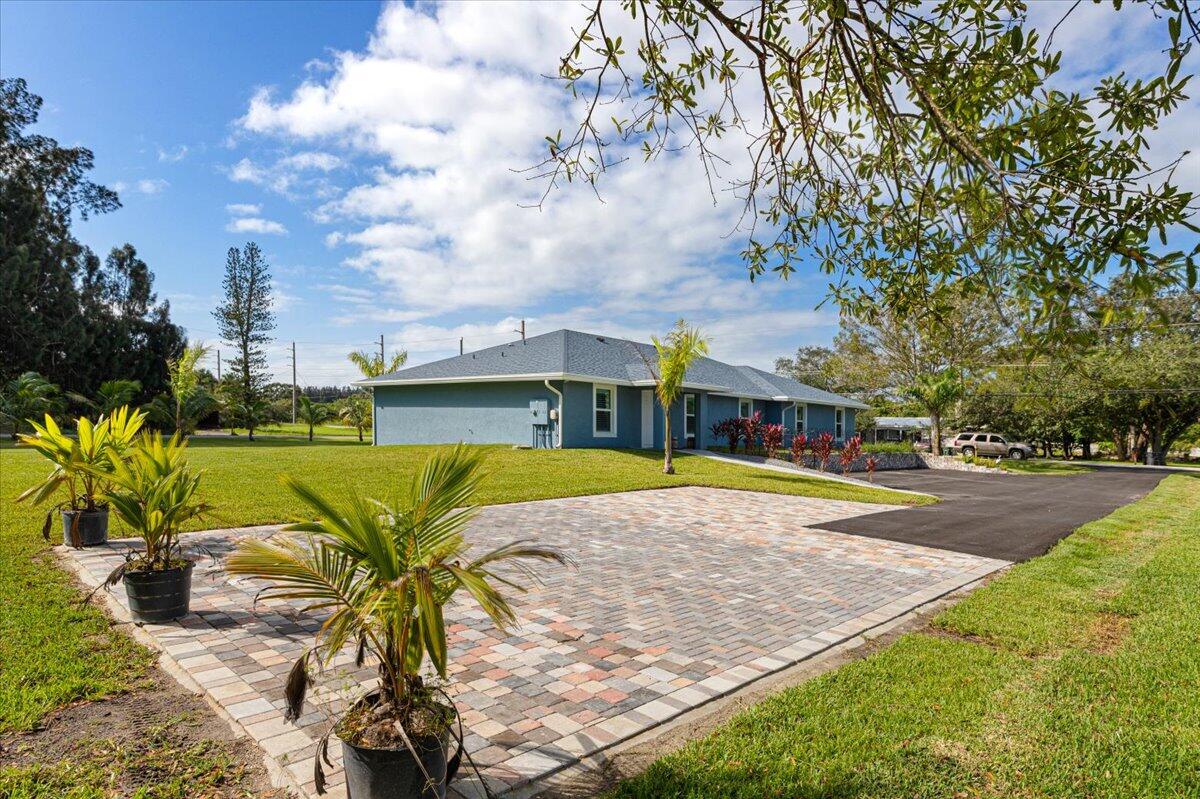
801 419
839 423
745 408
604 410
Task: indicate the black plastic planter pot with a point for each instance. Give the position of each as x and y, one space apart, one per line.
159 595
394 773
91 527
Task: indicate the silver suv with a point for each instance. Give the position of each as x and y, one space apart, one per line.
990 445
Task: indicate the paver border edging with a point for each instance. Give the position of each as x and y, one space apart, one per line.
280 777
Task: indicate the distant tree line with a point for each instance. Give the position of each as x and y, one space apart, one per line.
1132 387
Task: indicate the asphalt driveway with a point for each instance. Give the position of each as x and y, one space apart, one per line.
1006 516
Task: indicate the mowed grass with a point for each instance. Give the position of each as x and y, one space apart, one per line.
54 651
299 429
1043 467
1075 674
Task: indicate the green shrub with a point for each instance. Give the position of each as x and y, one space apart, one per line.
888 446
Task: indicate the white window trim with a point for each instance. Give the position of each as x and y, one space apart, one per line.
612 389
740 401
695 413
801 422
839 435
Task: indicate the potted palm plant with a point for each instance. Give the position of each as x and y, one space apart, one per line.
154 491
82 469
384 572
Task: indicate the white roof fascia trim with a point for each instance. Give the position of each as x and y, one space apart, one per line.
579 378
471 379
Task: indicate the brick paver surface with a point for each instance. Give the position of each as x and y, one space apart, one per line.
680 595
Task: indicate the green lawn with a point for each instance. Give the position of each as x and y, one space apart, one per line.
52 651
1041 466
1170 462
1075 674
299 429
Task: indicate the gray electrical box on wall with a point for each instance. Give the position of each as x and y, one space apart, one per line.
539 412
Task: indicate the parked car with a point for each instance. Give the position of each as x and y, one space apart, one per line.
990 445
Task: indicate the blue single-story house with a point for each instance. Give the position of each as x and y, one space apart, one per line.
571 389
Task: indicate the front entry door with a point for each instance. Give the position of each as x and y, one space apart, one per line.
689 420
647 419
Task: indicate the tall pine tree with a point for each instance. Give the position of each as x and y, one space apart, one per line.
245 319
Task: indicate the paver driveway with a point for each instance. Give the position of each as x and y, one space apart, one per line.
681 595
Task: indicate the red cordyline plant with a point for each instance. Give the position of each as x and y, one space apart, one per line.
822 449
772 438
751 429
799 442
850 452
872 463
717 429
729 429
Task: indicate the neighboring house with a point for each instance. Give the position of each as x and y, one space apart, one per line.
901 428
570 389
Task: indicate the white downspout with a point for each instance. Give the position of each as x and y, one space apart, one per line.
558 394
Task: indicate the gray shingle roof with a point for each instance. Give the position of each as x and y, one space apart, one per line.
585 355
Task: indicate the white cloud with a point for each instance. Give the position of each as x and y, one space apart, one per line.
254 224
173 156
451 109
245 171
323 162
291 175
152 185
145 186
244 209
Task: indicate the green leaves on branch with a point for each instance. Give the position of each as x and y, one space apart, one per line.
906 149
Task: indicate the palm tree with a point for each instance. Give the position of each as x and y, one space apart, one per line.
114 394
383 573
936 393
28 396
111 395
191 400
312 414
372 364
356 412
682 346
250 413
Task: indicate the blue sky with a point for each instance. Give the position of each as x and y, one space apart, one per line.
371 151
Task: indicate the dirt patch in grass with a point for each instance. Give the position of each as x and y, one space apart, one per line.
1108 632
161 737
954 635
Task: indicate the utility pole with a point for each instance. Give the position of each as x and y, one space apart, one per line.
293 382
460 345
218 366
382 361
521 331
